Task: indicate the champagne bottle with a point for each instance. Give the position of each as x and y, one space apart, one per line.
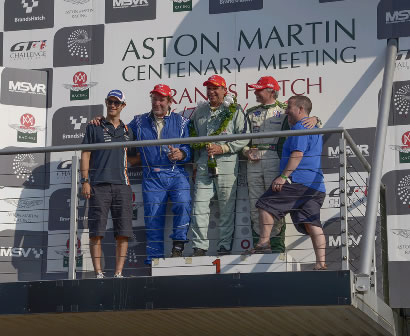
212 167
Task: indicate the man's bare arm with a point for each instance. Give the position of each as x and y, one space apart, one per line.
293 163
84 168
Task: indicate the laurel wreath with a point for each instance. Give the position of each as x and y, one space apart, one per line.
227 116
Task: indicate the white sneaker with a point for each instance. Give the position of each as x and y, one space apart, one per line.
99 275
118 275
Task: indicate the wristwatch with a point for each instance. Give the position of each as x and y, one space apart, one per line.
84 180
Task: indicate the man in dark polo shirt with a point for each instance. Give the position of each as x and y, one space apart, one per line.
105 183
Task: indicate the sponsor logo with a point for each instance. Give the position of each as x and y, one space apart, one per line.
403 190
78 44
24 204
404 234
73 46
78 122
24 217
401 100
80 90
401 232
23 166
182 5
393 19
21 87
64 170
27 87
29 5
228 6
28 14
129 10
29 171
336 241
398 16
333 152
355 194
21 252
28 50
403 60
27 130
129 3
69 123
400 103
66 252
77 2
76 13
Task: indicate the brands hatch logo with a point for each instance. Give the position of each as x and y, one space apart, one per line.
20 252
80 90
401 232
333 152
66 252
77 44
77 124
398 16
27 87
27 129
28 5
28 50
23 203
77 2
129 3
23 165
401 100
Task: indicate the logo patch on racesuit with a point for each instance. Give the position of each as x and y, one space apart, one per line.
257 113
277 114
256 129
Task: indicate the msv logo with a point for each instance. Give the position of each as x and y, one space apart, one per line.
398 16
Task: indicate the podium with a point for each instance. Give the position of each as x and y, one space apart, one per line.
256 263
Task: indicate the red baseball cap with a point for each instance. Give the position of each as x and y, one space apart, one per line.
266 82
163 90
215 80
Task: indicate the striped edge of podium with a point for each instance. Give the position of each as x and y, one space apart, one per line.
257 263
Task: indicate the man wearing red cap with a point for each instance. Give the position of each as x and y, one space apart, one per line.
220 116
264 154
164 175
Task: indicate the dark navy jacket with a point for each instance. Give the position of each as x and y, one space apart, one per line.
154 158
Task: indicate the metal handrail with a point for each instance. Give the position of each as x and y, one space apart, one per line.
191 140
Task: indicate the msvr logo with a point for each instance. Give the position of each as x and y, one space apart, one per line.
398 16
334 152
129 3
26 87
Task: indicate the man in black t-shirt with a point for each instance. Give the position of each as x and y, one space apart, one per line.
105 183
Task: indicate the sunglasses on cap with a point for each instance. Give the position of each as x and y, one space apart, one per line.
115 102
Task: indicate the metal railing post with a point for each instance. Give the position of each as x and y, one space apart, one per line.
344 229
73 219
363 277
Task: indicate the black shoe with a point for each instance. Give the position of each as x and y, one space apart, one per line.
223 251
177 249
198 252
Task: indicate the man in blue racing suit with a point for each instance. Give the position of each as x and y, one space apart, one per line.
164 175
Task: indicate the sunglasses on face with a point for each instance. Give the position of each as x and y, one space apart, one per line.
115 102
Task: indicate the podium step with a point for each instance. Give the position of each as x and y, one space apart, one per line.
257 263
